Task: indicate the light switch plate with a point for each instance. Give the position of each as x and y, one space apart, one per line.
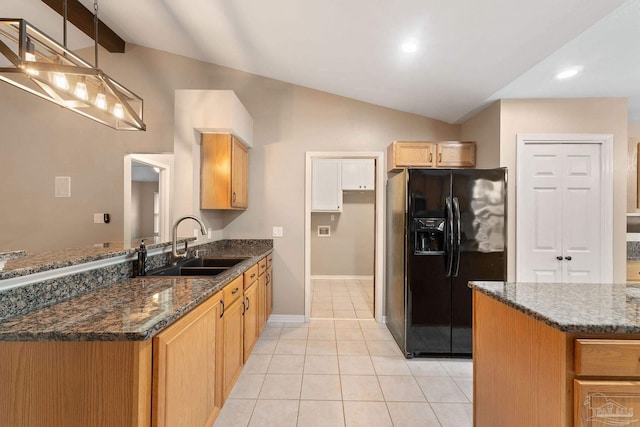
277 232
98 218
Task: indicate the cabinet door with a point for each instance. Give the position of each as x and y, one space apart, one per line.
239 175
184 368
405 154
455 154
233 357
358 174
606 403
262 302
223 172
326 185
269 294
250 314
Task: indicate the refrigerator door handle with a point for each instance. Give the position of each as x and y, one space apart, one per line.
458 233
449 249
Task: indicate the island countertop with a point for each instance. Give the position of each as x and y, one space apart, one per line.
132 310
572 307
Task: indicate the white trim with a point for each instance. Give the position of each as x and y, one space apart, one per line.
329 277
606 227
165 163
287 318
378 156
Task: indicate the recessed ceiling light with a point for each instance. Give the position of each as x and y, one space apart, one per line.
409 46
568 73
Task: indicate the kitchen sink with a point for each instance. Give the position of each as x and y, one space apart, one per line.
199 266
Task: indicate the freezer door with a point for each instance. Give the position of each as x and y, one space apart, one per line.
429 292
480 209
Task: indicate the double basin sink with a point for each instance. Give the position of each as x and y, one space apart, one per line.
197 266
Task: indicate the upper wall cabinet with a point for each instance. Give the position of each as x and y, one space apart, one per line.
358 174
430 154
224 172
326 185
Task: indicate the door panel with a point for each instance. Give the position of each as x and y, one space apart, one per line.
559 237
481 200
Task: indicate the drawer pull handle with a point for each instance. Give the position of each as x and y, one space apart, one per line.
222 312
248 303
235 291
253 275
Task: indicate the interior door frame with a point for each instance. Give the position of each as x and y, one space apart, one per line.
606 188
378 274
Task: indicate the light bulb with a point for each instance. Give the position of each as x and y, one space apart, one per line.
81 91
60 80
31 58
101 101
118 111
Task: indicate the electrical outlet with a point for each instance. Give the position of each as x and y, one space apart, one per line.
277 232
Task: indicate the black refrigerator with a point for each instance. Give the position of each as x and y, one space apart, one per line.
445 227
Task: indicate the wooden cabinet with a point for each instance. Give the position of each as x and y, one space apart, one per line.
232 335
408 154
185 369
269 288
453 154
604 393
224 172
326 185
358 174
633 271
427 154
251 310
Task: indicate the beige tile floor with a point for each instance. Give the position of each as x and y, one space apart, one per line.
342 299
345 372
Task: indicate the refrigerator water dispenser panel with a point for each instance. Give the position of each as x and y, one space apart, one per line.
429 236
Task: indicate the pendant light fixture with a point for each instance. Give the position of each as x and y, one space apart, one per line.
34 62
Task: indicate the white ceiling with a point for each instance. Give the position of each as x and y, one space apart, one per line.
470 52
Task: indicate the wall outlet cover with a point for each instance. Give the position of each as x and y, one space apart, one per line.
277 232
324 230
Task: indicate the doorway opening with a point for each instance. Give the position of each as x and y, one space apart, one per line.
344 248
147 197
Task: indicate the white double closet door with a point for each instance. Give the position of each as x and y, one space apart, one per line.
559 224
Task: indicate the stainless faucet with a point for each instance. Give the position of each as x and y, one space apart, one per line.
174 240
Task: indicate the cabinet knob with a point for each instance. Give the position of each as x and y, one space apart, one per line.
559 258
568 258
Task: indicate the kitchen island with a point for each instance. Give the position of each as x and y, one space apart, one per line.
549 354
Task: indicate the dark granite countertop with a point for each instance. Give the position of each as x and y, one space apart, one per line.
30 263
135 309
577 307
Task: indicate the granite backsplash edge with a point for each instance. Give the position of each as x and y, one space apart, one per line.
20 300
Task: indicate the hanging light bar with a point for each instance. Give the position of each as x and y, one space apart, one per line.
34 62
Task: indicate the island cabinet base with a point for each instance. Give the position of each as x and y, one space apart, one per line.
520 369
68 384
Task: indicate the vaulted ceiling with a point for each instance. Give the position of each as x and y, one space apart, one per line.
467 52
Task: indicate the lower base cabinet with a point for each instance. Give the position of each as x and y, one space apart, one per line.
232 335
184 369
606 403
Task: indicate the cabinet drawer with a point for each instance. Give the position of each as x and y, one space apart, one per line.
633 271
606 403
262 266
269 260
609 358
233 291
250 276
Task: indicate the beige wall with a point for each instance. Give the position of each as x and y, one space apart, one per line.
484 128
40 141
577 116
142 195
349 250
632 169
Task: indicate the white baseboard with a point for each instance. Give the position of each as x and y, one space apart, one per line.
327 277
286 318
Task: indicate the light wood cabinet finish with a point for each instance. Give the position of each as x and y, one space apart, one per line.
262 302
633 271
606 403
185 369
407 154
250 276
232 337
427 154
453 154
611 358
251 308
269 292
224 172
62 384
